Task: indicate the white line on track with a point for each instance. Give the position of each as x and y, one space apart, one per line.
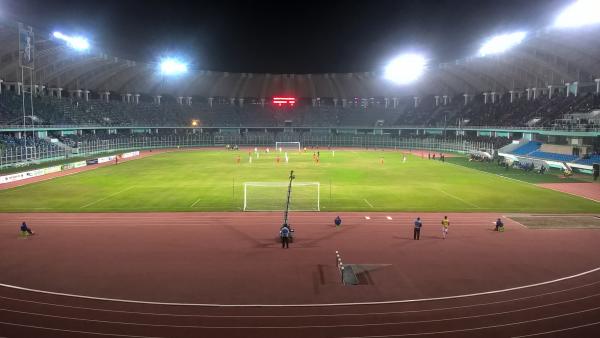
476 328
367 217
107 197
388 217
371 205
402 301
559 330
311 326
459 199
358 314
77 331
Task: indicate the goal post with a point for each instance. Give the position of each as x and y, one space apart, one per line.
271 196
287 146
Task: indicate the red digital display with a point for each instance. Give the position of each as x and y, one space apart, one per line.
284 101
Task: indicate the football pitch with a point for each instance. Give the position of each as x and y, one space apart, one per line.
349 180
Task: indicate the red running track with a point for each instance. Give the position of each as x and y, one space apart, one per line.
234 259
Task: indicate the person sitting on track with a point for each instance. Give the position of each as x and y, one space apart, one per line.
26 229
499 224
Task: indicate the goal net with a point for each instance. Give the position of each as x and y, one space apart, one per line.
287 146
271 196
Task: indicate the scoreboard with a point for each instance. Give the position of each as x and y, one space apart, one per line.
284 101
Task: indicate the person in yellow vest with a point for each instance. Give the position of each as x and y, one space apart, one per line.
445 226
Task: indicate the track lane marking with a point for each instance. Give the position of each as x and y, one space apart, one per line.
402 301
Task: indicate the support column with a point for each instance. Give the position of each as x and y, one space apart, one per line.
386 102
180 100
528 90
107 96
210 101
417 100
576 83
188 101
123 98
512 96
59 91
437 100
128 97
262 102
232 101
597 86
567 85
1 85
19 90
485 98
535 92
157 99
314 102
137 98
344 103
467 98
335 101
493 97
445 97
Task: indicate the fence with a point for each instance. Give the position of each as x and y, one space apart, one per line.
21 156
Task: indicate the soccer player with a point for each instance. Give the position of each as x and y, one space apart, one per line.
238 159
277 159
445 225
286 157
337 221
381 161
403 158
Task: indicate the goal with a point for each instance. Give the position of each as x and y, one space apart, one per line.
271 196
287 145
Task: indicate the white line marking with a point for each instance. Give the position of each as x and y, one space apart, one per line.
476 328
519 223
395 323
388 217
193 204
77 331
367 217
107 197
559 330
371 205
460 199
305 316
402 301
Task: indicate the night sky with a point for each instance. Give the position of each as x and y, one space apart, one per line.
285 37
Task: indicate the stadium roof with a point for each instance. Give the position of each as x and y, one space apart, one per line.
548 57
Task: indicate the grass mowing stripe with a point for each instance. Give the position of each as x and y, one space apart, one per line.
107 197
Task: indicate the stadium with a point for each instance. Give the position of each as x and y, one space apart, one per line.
162 199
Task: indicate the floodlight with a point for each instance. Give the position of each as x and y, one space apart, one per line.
501 43
581 13
76 42
405 68
172 66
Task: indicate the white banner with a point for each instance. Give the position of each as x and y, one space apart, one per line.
106 159
131 154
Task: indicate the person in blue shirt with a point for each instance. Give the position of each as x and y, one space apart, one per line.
337 221
285 234
26 229
417 232
499 224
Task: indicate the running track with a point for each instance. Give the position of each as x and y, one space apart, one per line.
234 259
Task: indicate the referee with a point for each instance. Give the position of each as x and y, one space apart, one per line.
284 233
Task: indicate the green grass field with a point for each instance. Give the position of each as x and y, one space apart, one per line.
350 181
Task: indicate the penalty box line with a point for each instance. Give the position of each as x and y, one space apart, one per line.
107 197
